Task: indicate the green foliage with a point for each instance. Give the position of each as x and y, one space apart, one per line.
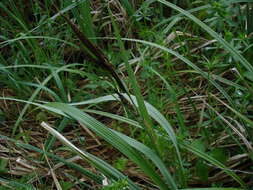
186 73
19 184
121 163
65 185
202 170
118 185
219 154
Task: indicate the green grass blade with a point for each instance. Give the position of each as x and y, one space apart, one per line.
159 118
137 90
213 161
174 99
53 94
98 163
35 104
46 67
128 6
237 56
180 15
33 96
10 41
51 140
152 156
152 111
59 85
84 19
15 185
113 97
111 138
200 8
114 116
188 62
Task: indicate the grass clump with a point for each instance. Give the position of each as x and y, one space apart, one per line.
126 95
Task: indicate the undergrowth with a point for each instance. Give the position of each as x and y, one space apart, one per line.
126 94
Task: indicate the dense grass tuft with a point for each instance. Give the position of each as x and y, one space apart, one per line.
126 94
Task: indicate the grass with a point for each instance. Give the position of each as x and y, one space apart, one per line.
126 95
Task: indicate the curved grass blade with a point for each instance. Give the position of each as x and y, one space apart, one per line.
15 184
114 116
142 110
113 97
180 15
185 60
35 104
162 121
174 99
213 161
51 140
45 67
135 144
10 41
98 163
200 8
188 62
53 94
152 156
84 19
33 96
237 56
152 111
111 138
159 118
